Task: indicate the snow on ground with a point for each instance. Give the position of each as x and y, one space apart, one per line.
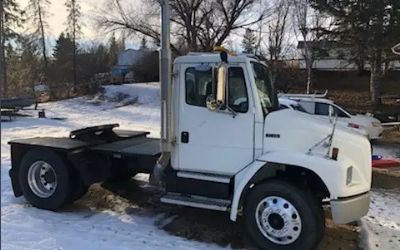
381 227
25 227
133 106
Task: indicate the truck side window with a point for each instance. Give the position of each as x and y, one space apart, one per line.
321 108
198 85
237 93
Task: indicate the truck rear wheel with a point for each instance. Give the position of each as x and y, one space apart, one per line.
79 189
279 215
45 179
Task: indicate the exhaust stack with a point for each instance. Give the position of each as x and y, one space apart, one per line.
166 93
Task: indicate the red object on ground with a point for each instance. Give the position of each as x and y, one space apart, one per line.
385 163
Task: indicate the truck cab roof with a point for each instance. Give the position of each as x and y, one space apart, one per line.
311 99
204 57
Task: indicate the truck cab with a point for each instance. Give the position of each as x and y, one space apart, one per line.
232 150
247 143
203 136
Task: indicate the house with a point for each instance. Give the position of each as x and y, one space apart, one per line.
128 65
333 56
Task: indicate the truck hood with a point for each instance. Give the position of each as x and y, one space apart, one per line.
293 131
299 131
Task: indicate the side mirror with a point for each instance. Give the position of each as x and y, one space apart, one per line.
221 83
217 100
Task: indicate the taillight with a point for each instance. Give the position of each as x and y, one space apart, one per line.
353 125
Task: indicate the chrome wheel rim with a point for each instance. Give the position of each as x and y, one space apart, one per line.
42 179
278 220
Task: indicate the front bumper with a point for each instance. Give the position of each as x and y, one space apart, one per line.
345 210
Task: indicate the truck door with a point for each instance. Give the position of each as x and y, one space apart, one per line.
214 142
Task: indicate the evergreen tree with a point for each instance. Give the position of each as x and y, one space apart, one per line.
370 28
63 65
143 44
101 59
249 42
113 50
74 28
37 13
10 19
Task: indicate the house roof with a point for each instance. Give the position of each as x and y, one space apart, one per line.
323 44
211 58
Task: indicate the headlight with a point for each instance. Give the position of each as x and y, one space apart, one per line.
349 175
376 124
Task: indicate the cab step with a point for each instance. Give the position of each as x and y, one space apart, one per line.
196 201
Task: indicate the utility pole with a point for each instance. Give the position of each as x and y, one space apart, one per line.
166 92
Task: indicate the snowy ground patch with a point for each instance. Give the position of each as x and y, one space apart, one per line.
381 227
135 107
25 227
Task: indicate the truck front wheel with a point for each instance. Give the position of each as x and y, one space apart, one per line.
279 215
45 179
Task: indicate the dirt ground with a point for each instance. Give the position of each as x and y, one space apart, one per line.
137 197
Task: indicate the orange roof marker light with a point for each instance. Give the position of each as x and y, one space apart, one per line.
223 49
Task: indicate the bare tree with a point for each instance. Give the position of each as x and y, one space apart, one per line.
276 35
74 28
309 23
273 36
197 25
37 13
277 30
301 11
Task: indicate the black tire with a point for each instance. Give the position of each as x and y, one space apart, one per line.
80 189
62 191
309 209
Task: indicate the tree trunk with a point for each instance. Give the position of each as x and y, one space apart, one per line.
74 47
309 73
309 62
376 78
3 70
43 40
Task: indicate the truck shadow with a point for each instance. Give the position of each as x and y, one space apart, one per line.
208 226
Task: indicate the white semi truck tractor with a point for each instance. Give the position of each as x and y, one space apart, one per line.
224 145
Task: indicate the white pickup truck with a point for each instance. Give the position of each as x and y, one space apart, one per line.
364 124
225 145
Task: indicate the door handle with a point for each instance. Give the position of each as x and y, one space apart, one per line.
184 137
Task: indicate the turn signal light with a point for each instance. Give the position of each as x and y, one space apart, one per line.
335 152
354 125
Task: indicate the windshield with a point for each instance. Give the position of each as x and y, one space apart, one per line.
265 89
298 108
